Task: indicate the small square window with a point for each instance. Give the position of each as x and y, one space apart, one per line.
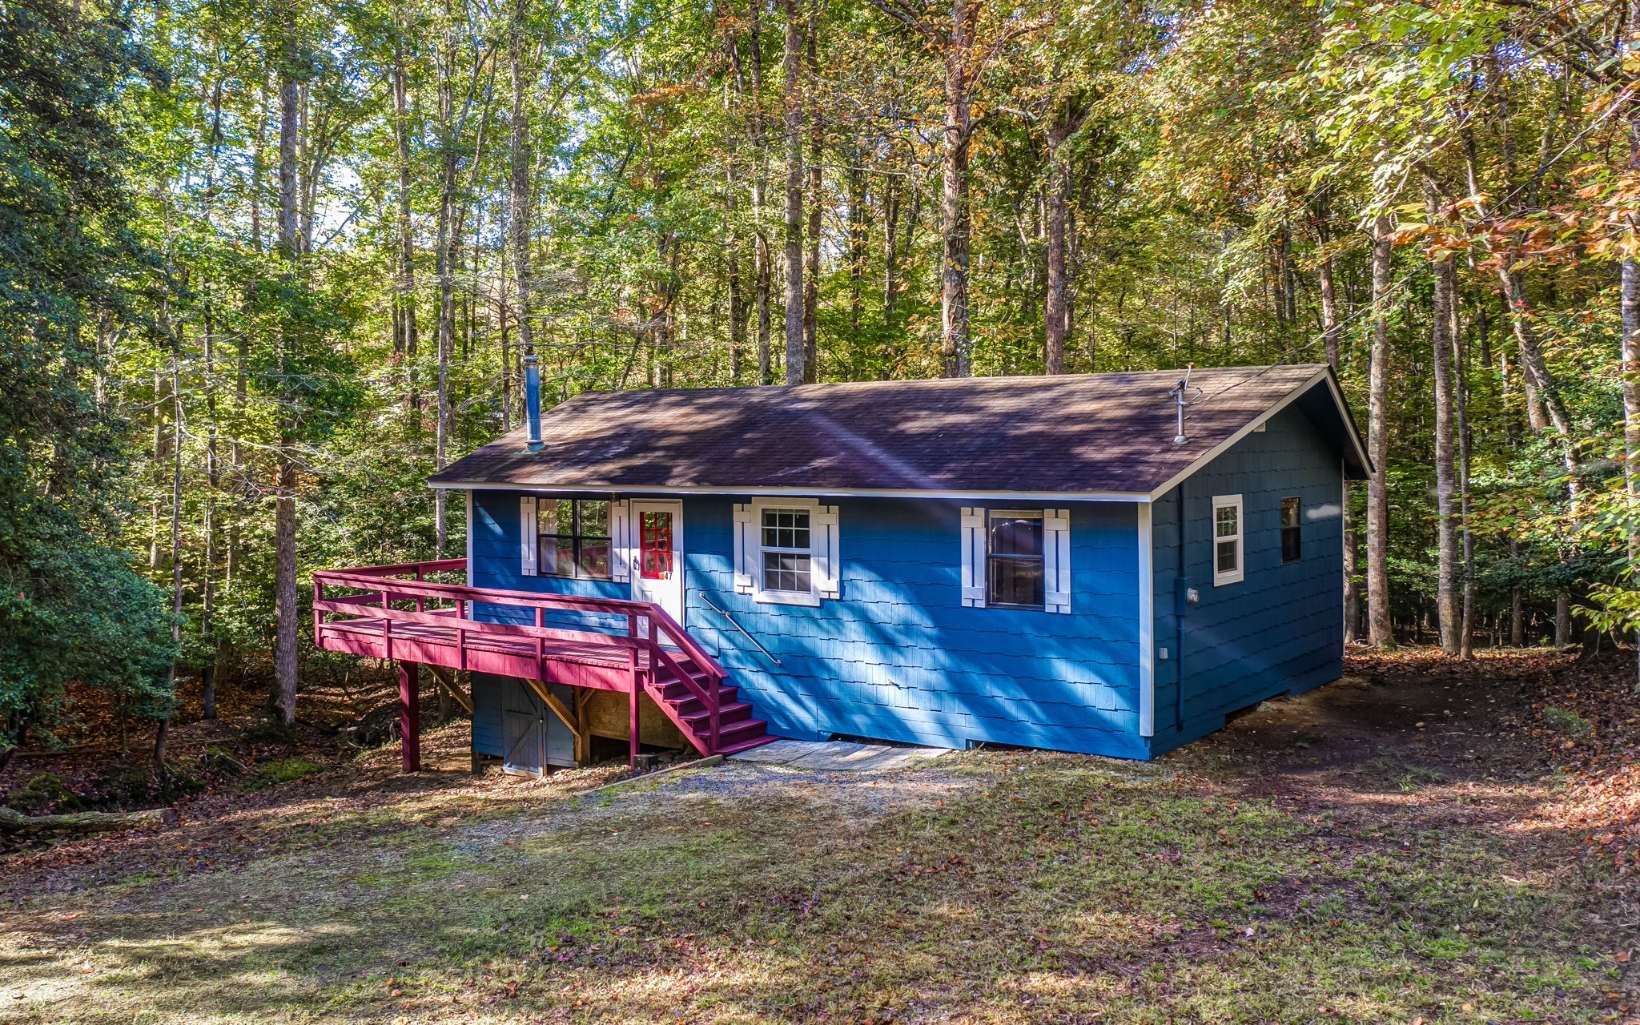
1292 530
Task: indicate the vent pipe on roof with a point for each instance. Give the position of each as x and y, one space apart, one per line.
1178 392
532 403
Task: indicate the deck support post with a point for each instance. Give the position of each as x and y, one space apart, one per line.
632 724
410 715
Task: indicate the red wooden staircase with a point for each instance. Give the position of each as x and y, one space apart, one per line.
396 613
737 729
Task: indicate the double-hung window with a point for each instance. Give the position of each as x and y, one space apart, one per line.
1014 559
1227 540
786 550
572 537
787 554
1292 536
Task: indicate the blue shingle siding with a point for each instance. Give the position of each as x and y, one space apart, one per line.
896 656
497 563
487 735
1279 630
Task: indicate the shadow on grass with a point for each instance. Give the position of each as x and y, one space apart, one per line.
1021 886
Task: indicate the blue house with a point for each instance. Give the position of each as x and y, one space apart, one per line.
1110 564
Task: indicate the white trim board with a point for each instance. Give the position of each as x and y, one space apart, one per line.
1147 626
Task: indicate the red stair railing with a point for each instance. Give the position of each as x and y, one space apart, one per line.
406 583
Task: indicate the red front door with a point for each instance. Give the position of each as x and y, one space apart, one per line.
658 527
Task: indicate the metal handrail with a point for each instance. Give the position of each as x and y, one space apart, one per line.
732 622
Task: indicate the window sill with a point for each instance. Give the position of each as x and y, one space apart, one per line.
1229 578
1015 608
565 576
787 598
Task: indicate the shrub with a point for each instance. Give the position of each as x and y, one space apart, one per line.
1567 722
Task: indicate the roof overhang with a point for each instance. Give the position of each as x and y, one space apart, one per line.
794 492
1325 376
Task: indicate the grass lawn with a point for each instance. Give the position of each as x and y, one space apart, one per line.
1379 851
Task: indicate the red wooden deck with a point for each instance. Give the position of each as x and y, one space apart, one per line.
396 613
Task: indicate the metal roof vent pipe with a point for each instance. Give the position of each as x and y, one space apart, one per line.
1178 391
532 403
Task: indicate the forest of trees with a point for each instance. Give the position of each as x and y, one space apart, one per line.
267 265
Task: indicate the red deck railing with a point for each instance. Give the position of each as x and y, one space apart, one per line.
395 612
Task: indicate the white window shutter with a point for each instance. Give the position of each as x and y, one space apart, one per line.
827 562
1056 559
973 557
745 548
620 541
527 547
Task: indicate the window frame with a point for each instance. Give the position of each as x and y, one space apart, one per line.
577 536
1041 557
1239 539
783 595
825 553
1296 529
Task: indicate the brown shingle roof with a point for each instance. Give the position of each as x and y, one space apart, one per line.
1068 434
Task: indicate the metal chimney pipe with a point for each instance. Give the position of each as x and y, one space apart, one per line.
532 403
1178 392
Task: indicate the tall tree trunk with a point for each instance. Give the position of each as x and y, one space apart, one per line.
1517 608
1543 400
891 217
519 225
1331 328
731 220
1631 406
1380 631
505 330
1460 362
164 729
213 461
1332 334
1630 362
284 530
446 277
954 213
762 255
405 300
213 484
811 283
1055 312
1446 587
161 438
737 297
794 192
231 570
858 240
